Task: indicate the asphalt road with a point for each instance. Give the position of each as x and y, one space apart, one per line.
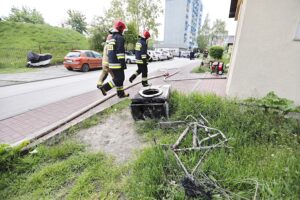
16 99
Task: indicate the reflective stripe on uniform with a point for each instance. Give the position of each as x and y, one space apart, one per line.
114 66
138 46
105 62
144 56
121 56
111 84
112 41
139 62
120 88
144 79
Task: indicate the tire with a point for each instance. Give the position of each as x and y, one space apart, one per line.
85 68
127 61
70 68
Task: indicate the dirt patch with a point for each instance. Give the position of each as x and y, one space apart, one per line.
116 135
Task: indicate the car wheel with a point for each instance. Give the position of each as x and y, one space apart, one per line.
127 61
85 68
70 68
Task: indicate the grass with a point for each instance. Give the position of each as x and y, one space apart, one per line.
200 70
63 169
19 38
265 150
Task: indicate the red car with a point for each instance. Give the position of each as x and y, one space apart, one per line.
83 60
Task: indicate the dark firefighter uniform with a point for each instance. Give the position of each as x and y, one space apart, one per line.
141 60
116 60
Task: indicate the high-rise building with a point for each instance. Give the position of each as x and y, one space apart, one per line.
182 23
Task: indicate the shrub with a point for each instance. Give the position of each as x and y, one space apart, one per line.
216 52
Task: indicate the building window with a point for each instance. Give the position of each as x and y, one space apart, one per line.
297 35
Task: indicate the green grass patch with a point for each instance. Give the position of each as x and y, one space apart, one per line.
17 39
62 171
265 150
200 69
62 168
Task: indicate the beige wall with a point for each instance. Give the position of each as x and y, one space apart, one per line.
266 57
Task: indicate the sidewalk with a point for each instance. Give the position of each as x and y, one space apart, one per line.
27 125
57 71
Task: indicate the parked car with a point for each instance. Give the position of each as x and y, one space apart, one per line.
185 54
168 54
130 57
83 60
197 55
152 55
160 55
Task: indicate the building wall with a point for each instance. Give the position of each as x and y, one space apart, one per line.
174 22
266 57
182 22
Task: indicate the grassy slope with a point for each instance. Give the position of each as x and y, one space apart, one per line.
18 38
265 150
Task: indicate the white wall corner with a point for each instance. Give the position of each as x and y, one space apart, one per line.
297 34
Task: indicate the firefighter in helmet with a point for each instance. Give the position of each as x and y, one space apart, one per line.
142 58
105 66
116 60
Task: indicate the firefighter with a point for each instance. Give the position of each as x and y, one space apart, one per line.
141 58
105 68
116 60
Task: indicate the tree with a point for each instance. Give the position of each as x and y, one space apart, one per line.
99 31
137 14
26 15
77 21
145 13
131 35
116 11
218 32
204 34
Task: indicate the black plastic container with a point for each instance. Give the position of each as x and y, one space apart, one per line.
151 102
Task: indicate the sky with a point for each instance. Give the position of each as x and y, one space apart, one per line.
55 11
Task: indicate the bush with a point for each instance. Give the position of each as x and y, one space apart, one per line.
216 52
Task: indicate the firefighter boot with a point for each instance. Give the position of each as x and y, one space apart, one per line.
145 82
122 94
106 87
132 78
